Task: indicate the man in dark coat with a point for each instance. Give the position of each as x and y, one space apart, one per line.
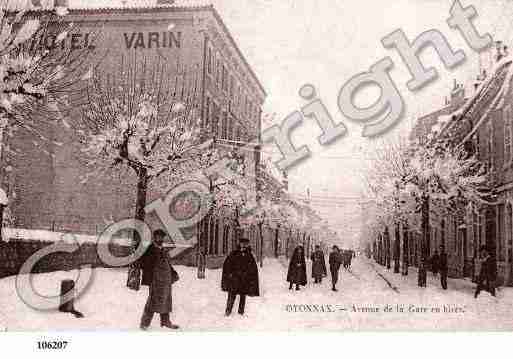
487 273
335 260
443 267
318 265
159 275
297 268
240 276
435 263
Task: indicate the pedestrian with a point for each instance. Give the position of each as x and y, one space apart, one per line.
351 256
159 275
297 268
435 263
240 276
201 263
443 267
487 273
318 265
335 261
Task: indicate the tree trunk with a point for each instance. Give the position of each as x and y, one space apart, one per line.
140 204
140 214
388 248
260 224
397 249
424 243
1 220
276 241
406 251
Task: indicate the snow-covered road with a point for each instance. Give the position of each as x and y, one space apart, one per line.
199 304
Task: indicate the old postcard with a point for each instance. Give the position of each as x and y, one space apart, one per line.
255 166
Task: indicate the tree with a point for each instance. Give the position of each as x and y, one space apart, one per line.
35 81
441 173
144 120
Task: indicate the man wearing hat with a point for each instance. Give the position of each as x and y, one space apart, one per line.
240 276
335 260
159 275
487 273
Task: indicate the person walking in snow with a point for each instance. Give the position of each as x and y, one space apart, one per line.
159 275
240 276
318 265
297 268
486 274
435 263
335 261
443 267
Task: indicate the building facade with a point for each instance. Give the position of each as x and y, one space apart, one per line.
46 180
482 123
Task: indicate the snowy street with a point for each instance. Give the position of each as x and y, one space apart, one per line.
199 304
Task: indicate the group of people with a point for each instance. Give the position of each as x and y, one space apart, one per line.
239 278
487 272
439 265
296 274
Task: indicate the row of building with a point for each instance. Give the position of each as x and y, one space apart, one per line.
44 179
481 120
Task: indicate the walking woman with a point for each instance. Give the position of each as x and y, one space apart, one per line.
297 268
318 265
159 275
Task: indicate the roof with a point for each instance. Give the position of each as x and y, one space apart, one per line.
16 5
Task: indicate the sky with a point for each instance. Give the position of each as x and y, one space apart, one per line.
292 42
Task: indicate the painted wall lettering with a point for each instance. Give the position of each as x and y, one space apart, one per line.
153 40
74 41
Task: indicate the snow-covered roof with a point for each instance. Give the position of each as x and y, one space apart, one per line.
500 78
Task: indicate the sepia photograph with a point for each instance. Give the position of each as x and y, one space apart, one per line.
255 166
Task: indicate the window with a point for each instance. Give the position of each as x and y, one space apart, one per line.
209 63
507 135
215 119
489 133
211 235
442 236
224 126
475 242
229 129
232 86
223 77
218 71
207 113
216 237
226 233
501 232
237 133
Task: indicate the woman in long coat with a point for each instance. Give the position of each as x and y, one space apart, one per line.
159 275
318 265
297 268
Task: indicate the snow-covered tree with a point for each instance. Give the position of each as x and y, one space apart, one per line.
144 119
35 79
407 179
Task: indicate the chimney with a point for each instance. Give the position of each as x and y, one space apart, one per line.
60 3
499 53
165 2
